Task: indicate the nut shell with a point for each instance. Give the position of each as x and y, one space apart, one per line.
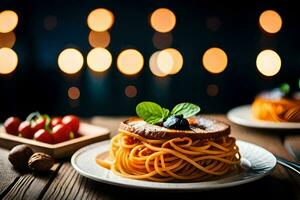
19 155
40 162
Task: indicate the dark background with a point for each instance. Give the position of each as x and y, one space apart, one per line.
38 83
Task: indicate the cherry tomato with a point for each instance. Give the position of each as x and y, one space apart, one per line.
61 133
72 121
55 121
38 124
11 125
25 130
43 136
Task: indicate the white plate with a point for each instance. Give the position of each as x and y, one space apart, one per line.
258 161
242 115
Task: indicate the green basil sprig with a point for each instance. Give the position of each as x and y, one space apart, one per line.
153 113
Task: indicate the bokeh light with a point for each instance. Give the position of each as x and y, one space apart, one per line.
74 93
8 60
8 21
130 91
212 90
177 60
130 62
165 62
163 20
270 21
7 39
213 23
100 19
154 66
50 22
215 60
70 61
99 39
268 62
99 59
162 40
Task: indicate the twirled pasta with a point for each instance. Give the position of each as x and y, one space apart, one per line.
177 159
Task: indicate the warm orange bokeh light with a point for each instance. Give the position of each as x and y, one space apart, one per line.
7 39
74 93
177 60
99 39
154 66
270 21
215 60
70 61
163 20
100 19
8 60
99 59
8 21
130 91
130 62
268 62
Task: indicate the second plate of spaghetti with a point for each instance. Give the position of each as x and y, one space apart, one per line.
255 163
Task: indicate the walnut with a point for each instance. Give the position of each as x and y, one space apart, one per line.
40 162
19 156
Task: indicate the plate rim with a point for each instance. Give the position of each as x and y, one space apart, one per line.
259 124
209 187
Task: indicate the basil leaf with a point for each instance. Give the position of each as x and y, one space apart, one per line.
150 112
166 113
185 109
285 88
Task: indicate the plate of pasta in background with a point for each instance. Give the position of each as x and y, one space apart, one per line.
275 109
177 149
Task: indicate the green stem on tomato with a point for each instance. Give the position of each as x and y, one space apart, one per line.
47 124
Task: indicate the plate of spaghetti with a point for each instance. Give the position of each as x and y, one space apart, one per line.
178 151
275 109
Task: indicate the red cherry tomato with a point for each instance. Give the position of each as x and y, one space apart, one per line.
72 121
55 121
38 124
11 125
43 136
61 133
25 130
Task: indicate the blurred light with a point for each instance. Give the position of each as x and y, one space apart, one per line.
130 62
8 21
177 60
154 67
7 39
213 23
268 62
215 60
8 60
270 21
50 22
212 90
162 40
165 62
100 19
163 20
70 61
74 93
99 39
99 59
130 91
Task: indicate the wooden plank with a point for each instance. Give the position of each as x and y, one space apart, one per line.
292 144
31 186
7 174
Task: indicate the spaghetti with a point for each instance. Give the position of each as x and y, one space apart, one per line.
176 159
281 110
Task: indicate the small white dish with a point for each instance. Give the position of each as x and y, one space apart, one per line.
256 161
242 115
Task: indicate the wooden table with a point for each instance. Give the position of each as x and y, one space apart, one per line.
65 183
